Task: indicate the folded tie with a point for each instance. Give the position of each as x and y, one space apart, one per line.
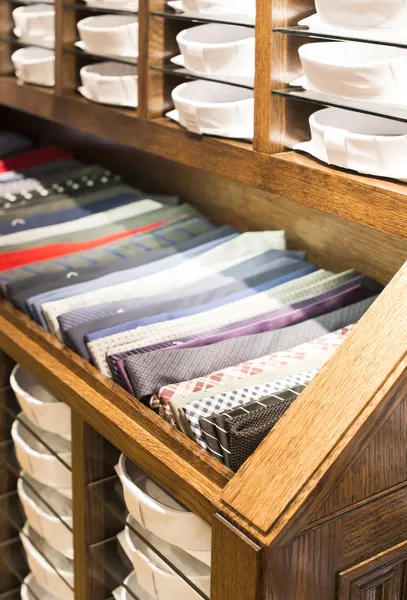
246 431
241 401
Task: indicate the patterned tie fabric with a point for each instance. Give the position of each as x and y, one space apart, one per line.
14 182
272 366
19 280
271 299
278 340
163 367
242 401
218 287
46 276
68 193
246 431
124 207
123 279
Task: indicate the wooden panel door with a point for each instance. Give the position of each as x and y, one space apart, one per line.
381 578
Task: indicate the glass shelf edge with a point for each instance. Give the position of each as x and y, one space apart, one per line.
243 21
183 73
303 31
352 105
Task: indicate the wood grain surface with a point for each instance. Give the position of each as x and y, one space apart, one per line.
347 403
233 555
91 462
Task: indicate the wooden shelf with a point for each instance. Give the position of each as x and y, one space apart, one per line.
375 203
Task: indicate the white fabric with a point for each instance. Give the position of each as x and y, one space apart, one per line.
35 65
245 246
96 220
261 303
154 575
212 108
363 13
220 49
158 512
31 590
40 557
36 460
131 5
35 21
42 519
45 41
39 405
216 7
363 143
356 71
110 34
391 35
110 83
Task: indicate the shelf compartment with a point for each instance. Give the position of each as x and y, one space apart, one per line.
370 108
169 13
9 459
109 491
14 412
305 31
172 69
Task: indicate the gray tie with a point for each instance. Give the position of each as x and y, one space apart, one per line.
145 370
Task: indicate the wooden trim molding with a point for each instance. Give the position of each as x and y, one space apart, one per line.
298 464
378 578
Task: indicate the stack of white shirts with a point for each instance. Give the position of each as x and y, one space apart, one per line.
366 77
44 486
178 534
110 35
224 53
35 24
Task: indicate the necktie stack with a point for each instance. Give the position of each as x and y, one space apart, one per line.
216 329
